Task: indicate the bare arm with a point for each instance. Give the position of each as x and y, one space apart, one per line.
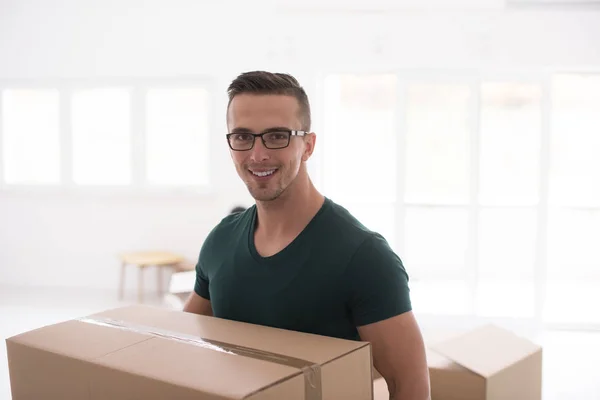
198 305
399 355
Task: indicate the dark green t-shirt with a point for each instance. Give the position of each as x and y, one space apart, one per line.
335 276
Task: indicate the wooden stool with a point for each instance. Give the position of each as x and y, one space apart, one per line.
143 259
184 266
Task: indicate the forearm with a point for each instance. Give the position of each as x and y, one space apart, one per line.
198 305
412 391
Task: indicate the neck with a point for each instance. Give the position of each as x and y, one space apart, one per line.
290 212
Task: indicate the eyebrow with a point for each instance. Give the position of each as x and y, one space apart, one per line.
273 129
241 130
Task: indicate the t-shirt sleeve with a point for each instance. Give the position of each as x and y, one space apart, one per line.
378 283
213 248
201 285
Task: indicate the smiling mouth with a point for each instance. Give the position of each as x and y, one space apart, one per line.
263 174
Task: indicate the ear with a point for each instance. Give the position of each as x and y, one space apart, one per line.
309 146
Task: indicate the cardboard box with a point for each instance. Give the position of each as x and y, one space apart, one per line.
149 353
487 363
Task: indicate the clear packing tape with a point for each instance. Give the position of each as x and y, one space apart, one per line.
310 370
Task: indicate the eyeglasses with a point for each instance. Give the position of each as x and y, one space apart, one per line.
272 139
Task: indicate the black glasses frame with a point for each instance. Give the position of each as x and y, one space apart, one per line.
261 136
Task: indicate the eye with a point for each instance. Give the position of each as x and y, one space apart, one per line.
277 136
242 137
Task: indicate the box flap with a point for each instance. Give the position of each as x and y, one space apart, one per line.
78 340
439 362
486 350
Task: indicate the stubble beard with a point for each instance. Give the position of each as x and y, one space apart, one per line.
265 194
268 191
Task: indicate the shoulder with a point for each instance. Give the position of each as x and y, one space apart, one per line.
371 258
367 250
338 221
375 254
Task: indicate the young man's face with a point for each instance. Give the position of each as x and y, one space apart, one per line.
268 172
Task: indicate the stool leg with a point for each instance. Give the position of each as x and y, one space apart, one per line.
159 281
141 284
122 281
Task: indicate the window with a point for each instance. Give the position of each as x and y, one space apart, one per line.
101 128
510 138
31 136
440 297
575 165
573 274
437 179
125 134
506 262
436 241
437 144
177 140
435 255
573 261
360 138
509 177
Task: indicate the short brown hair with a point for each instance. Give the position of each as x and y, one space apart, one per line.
262 82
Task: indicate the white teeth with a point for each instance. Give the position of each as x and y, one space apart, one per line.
263 173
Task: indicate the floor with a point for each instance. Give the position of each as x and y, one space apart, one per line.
571 359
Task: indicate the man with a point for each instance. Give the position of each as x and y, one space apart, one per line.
296 260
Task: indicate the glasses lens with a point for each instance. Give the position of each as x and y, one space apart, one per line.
241 141
276 140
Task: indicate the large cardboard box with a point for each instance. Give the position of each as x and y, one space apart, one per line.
142 352
486 363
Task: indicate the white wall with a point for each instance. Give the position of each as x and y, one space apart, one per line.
65 38
61 239
68 239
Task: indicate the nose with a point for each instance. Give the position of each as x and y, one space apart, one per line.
259 152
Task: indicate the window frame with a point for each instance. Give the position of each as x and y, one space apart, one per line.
138 185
